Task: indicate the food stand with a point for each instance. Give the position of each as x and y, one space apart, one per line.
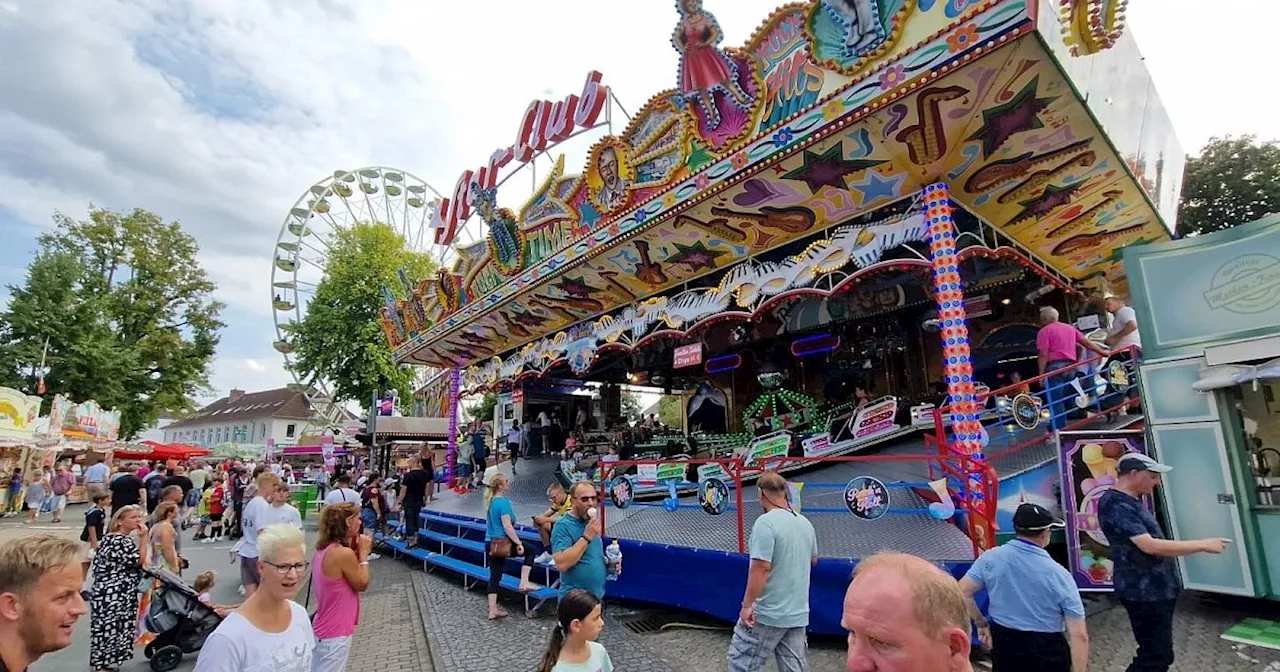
1209 314
19 446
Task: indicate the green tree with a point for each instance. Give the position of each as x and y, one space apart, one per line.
631 405
483 409
127 312
1233 181
671 411
340 339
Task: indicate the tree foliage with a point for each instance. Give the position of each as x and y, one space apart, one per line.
1233 181
631 407
127 311
671 411
483 409
340 338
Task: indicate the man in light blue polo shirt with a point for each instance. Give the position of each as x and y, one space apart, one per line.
576 546
1033 601
775 604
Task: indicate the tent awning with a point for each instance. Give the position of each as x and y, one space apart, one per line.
161 451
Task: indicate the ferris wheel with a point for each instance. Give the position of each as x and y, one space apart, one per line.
394 197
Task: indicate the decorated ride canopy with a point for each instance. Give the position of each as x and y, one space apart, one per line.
831 110
86 420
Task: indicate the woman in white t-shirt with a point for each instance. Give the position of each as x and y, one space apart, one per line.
269 632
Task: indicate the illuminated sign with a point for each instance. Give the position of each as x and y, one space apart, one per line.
544 124
688 355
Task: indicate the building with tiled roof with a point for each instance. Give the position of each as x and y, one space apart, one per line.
244 417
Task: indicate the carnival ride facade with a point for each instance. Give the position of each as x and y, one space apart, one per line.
854 158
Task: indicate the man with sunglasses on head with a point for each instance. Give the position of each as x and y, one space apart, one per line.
775 606
576 546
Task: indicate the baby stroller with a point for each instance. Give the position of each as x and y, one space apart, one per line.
180 620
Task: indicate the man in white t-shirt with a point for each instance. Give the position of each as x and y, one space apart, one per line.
254 516
342 492
1124 324
281 511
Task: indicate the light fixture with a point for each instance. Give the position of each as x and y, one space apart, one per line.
1006 301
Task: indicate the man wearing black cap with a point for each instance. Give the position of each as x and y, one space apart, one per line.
1033 601
1145 574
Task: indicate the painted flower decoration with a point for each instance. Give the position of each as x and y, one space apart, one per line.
783 138
701 181
739 160
832 109
892 76
669 200
962 38
641 215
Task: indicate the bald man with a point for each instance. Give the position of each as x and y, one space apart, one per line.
905 614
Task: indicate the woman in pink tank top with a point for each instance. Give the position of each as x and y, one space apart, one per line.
338 576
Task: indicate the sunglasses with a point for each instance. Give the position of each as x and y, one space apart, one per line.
588 499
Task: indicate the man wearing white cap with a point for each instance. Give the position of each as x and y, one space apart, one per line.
1033 601
1145 574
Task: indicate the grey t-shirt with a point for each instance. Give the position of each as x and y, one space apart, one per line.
787 541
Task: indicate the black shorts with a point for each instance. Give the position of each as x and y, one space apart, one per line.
215 518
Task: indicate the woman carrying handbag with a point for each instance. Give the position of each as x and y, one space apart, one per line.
503 542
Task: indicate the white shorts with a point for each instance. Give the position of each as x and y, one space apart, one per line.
330 655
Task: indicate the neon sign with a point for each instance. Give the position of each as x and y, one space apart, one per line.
544 124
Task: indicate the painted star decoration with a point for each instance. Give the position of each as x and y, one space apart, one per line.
575 287
1004 121
1053 198
828 169
875 186
695 256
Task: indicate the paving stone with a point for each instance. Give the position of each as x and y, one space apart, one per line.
391 636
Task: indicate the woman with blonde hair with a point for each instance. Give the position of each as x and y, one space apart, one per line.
117 571
269 631
164 548
502 541
339 573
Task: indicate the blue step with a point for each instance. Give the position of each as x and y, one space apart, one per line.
469 524
465 544
480 574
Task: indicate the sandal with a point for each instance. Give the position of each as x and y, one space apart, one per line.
500 615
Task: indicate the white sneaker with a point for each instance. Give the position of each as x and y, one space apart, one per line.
372 556
543 559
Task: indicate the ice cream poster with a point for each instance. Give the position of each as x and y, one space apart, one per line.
1088 460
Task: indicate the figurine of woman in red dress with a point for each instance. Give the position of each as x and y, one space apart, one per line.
704 69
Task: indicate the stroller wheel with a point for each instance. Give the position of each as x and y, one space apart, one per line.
150 649
166 658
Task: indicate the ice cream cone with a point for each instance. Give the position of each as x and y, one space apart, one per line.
1092 457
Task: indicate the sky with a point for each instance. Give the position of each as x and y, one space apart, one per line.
221 114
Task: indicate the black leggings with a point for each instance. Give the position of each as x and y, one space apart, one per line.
496 565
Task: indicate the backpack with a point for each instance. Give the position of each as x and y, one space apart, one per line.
155 485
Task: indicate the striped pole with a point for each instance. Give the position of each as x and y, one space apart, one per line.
451 462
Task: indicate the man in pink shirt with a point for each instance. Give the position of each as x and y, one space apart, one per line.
1056 345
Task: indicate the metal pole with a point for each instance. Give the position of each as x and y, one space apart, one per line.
736 465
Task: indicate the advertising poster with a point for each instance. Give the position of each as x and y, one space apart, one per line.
1088 460
326 451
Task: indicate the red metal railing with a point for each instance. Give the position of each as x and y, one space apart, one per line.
987 477
738 470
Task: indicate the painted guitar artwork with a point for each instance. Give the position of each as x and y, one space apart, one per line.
790 220
646 271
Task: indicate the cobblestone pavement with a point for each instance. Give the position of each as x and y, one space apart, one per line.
391 636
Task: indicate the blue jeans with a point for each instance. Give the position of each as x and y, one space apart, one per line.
370 519
751 647
1056 391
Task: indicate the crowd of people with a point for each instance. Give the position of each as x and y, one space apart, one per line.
901 612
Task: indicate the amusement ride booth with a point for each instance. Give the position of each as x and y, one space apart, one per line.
831 243
1209 312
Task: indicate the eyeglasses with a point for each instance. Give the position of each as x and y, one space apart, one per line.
283 570
587 499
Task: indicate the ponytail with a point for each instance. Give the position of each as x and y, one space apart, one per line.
576 605
491 489
552 654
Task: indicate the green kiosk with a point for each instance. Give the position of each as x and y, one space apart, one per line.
1209 317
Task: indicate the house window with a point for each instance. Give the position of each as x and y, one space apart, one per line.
289 430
